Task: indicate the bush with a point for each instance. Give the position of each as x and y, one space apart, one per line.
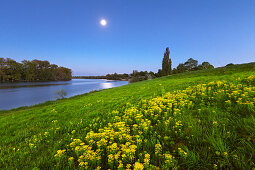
60 94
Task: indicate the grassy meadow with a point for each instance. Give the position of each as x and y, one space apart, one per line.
202 119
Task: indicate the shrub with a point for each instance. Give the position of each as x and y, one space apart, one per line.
60 94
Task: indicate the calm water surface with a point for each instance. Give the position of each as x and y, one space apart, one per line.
13 95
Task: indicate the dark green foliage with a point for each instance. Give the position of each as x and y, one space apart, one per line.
35 70
207 65
10 70
192 65
140 76
159 73
180 68
204 65
133 77
174 71
166 63
116 76
89 77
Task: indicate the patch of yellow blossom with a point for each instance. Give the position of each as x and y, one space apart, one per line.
129 136
60 153
138 166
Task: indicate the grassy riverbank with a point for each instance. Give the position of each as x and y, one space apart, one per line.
140 125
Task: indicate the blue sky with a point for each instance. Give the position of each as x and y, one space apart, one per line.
68 33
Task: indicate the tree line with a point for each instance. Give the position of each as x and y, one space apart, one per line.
89 77
190 65
35 70
114 76
133 77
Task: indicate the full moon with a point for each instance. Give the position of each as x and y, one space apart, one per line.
103 22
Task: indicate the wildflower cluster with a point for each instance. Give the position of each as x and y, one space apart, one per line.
150 134
36 140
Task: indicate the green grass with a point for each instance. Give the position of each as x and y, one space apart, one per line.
24 144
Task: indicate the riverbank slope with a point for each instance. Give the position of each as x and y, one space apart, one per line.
205 134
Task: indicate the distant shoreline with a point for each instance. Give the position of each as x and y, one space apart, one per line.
96 77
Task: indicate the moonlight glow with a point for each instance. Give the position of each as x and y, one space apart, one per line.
103 22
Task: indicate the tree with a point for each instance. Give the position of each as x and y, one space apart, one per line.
124 76
135 73
190 64
159 73
13 70
207 65
180 68
53 70
2 70
166 63
28 72
204 65
42 70
170 66
174 71
152 74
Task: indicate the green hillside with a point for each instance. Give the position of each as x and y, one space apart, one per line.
200 119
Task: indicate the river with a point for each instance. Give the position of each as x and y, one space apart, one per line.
13 95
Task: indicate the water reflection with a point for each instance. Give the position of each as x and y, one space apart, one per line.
107 85
15 95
